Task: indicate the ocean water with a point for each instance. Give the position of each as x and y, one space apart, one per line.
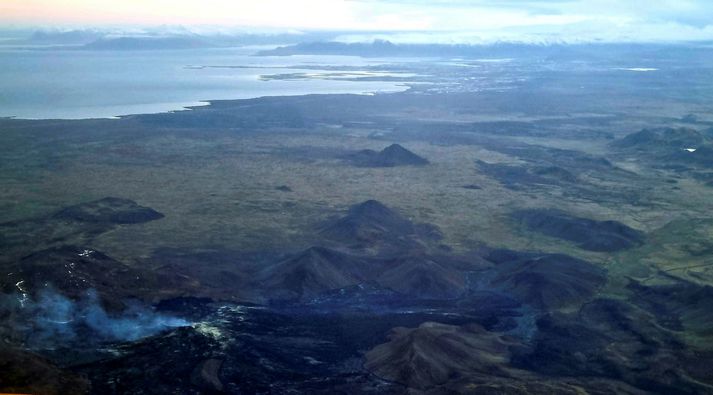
73 84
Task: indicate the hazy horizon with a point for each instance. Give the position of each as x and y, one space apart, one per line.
399 20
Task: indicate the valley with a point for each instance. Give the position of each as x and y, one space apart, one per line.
537 239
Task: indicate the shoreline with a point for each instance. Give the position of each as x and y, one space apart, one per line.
106 85
200 104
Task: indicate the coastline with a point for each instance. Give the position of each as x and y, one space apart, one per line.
111 84
193 106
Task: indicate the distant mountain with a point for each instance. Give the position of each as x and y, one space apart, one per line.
182 39
148 43
560 51
391 156
383 48
68 37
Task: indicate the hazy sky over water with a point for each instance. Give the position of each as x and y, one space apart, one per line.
429 20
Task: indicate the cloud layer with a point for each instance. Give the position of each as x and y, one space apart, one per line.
432 20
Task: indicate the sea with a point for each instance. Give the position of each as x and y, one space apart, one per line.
70 83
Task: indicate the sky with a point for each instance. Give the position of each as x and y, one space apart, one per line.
406 20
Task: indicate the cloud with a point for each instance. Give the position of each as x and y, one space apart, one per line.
554 20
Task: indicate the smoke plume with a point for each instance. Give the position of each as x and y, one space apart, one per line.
53 320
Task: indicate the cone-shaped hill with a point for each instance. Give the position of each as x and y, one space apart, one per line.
371 224
548 281
421 276
311 272
317 270
393 155
434 353
437 358
370 244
